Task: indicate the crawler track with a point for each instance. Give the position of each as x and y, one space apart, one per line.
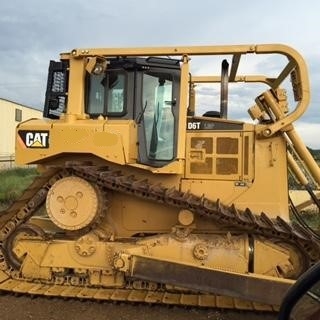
44 308
260 225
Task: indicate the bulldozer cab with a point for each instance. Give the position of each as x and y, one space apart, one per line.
145 90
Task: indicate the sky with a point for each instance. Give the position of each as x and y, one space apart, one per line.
34 32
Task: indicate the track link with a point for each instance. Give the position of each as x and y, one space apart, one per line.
105 178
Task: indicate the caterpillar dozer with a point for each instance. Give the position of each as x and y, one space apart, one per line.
145 195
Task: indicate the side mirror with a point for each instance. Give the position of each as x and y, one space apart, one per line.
302 301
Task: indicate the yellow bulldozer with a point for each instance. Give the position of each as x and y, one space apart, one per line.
145 195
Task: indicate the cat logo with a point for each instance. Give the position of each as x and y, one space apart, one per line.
35 139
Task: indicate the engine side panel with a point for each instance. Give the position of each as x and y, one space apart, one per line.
237 167
39 140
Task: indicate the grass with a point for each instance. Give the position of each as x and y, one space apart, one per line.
13 182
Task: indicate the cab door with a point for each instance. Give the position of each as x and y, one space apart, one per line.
159 116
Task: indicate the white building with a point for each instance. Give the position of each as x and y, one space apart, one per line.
11 114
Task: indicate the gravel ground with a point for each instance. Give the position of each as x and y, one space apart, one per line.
41 308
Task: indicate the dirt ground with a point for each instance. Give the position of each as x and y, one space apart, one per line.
41 308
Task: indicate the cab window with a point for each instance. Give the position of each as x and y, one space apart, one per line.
106 94
157 116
